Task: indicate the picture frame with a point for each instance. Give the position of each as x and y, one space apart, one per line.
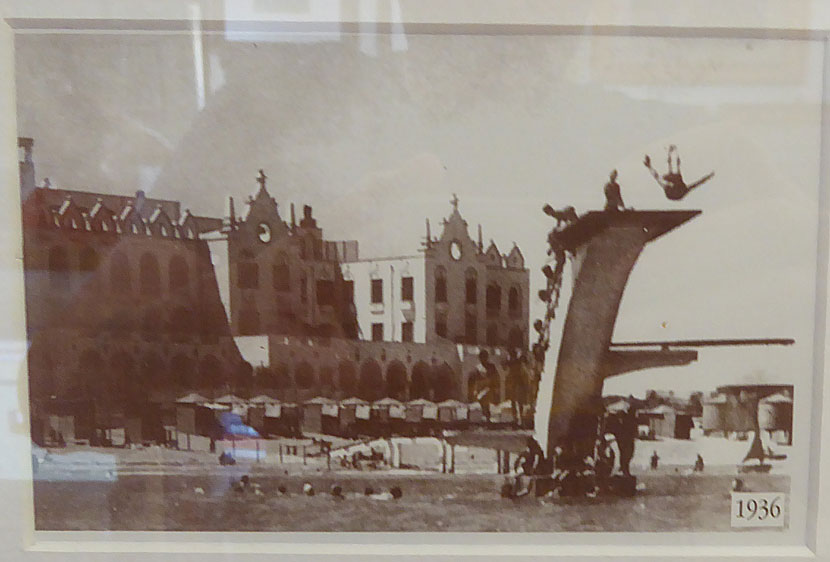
773 20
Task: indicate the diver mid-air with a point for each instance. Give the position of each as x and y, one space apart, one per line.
672 182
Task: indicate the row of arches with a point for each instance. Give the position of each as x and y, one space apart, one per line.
367 380
122 375
147 280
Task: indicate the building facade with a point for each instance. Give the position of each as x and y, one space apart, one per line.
454 290
284 278
121 300
132 301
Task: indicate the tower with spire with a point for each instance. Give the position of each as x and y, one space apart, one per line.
284 278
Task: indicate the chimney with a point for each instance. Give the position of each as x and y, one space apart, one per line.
429 236
231 213
293 218
480 242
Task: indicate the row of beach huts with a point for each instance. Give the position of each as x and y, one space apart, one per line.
351 417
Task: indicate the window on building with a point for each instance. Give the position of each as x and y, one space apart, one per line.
493 298
471 286
88 260
492 335
282 275
58 269
407 289
470 329
247 273
304 289
149 275
441 326
249 322
377 331
407 332
514 303
179 274
440 285
348 291
120 281
377 291
325 293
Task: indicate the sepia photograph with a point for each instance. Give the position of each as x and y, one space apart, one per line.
397 281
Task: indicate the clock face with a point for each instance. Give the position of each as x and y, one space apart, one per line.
263 232
455 250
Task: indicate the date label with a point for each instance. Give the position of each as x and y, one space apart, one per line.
758 509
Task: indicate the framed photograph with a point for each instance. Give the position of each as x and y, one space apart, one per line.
376 278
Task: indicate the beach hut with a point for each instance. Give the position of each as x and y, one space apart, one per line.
714 414
452 413
421 416
238 406
387 416
502 414
475 414
256 411
775 415
319 415
354 414
665 421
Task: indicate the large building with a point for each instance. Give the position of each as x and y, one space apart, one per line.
122 304
453 290
284 278
132 301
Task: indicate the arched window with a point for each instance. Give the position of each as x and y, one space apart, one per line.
471 328
516 339
179 273
152 371
304 376
444 383
210 372
440 284
120 274
514 303
471 286
280 377
396 380
493 299
91 372
441 324
493 334
58 269
371 381
326 380
347 378
181 369
149 275
88 260
282 274
421 385
247 273
122 377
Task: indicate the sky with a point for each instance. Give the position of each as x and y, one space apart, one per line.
377 132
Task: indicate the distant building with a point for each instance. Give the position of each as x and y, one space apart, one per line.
284 278
731 410
132 301
121 304
455 291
